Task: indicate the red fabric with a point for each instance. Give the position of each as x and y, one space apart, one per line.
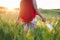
27 11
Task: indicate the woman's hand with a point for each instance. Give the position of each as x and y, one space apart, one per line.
17 22
43 19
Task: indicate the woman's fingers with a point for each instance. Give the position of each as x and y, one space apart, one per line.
44 19
17 23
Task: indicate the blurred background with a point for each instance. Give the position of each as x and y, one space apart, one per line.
9 11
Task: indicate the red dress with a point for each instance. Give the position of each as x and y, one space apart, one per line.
27 11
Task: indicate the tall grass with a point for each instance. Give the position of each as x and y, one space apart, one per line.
9 30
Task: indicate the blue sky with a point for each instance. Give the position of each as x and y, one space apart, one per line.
45 4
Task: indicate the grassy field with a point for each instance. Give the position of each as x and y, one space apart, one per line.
9 31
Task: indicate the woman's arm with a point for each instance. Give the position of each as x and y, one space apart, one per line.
17 22
35 6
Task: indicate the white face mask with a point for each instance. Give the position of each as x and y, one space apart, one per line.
49 26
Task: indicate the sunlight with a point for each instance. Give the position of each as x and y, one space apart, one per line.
44 4
10 8
10 4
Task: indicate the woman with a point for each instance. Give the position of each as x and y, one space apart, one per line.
28 12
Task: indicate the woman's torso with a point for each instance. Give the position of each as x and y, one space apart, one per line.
27 10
